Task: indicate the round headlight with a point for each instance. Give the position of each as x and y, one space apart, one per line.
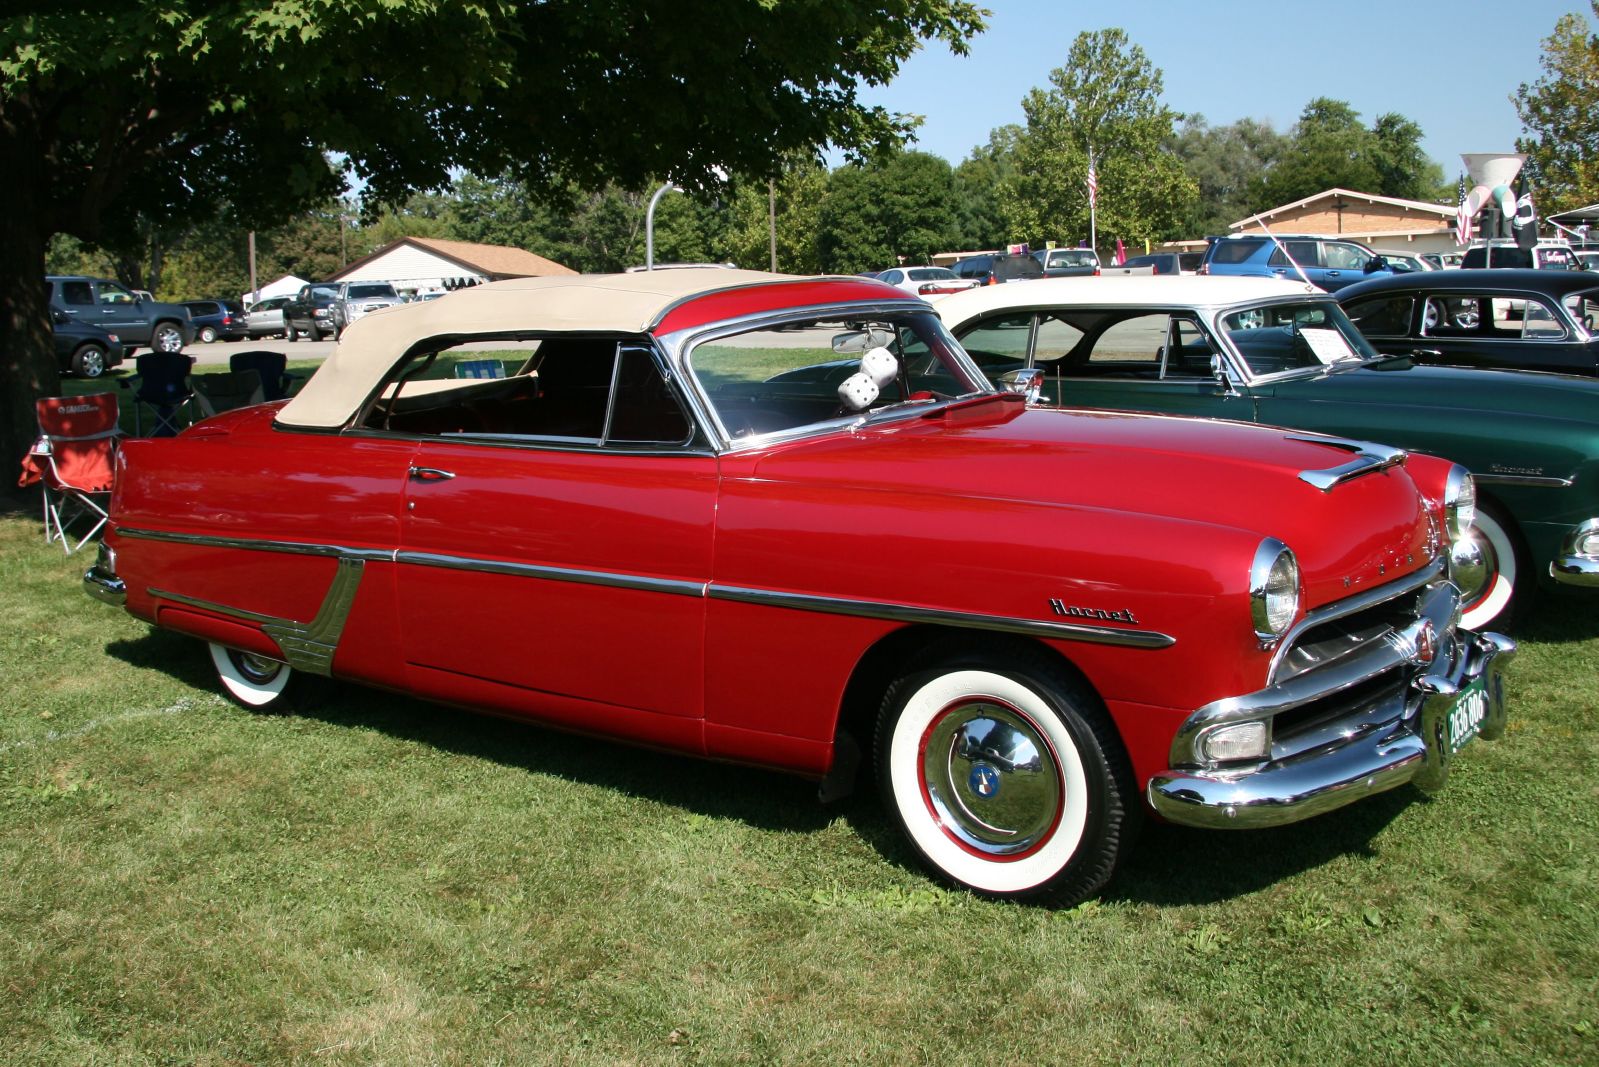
1273 589
1460 501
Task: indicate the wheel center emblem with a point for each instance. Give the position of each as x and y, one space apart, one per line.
984 780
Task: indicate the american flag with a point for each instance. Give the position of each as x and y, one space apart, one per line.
1093 182
1462 218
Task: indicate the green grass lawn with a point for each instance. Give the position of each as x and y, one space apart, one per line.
377 880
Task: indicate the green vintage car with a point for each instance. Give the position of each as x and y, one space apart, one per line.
1263 350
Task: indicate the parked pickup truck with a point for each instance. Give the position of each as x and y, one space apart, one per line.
326 308
1068 262
137 321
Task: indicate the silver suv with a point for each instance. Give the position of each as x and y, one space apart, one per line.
358 298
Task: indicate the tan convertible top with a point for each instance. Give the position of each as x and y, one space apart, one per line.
600 303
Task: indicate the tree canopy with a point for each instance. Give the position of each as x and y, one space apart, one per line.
1329 148
1104 102
152 111
1560 113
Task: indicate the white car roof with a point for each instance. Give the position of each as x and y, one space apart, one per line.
600 303
1170 290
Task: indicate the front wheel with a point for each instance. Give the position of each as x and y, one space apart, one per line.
254 681
167 338
89 361
1005 774
1498 602
290 334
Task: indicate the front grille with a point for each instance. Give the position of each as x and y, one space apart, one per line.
1344 627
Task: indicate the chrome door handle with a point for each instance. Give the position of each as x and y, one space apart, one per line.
430 474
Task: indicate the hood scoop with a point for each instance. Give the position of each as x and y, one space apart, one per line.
1369 459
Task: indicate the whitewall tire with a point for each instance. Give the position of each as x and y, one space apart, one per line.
1498 601
256 682
1006 776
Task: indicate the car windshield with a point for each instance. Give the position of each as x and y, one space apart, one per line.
931 274
796 375
361 292
1072 258
1305 335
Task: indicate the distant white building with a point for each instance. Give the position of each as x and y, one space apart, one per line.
431 265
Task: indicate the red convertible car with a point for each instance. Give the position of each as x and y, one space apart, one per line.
676 523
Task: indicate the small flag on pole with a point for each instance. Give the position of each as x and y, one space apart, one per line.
1463 218
1093 183
1121 252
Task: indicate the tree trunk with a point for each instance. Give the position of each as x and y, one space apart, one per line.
28 368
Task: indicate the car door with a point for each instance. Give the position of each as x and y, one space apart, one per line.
1343 263
121 312
1519 330
554 559
1289 258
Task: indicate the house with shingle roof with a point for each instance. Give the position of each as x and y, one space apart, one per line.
431 264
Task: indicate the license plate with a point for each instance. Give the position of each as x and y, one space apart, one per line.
1466 719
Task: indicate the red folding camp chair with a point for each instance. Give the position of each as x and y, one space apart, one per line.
72 461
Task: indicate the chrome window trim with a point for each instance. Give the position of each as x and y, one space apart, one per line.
904 613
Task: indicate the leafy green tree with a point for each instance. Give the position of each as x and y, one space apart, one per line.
795 198
1227 164
1105 103
895 209
979 213
1328 147
150 111
1560 115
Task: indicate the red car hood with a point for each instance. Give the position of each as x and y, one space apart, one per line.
1362 532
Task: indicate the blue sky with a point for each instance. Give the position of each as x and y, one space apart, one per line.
1450 65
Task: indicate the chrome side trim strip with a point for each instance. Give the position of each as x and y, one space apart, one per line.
299 548
673 586
1103 635
1521 479
307 647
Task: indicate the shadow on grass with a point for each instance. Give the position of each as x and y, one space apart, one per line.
1168 865
1561 616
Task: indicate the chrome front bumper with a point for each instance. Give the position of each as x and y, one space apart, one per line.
1572 567
1411 746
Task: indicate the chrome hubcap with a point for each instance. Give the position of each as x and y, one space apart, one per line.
257 669
991 778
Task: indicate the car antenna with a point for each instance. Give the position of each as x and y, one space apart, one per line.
1258 221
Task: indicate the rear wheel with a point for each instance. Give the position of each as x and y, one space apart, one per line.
1005 774
208 334
290 333
1499 600
315 333
89 361
254 681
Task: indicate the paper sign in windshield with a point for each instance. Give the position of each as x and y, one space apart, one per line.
1328 345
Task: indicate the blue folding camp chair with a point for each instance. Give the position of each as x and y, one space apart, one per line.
161 383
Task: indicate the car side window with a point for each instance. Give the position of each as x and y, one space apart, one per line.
111 293
1382 316
1056 338
1304 253
1155 346
1450 316
1539 322
77 294
1340 256
998 345
576 391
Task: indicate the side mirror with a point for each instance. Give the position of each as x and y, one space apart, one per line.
59 316
1375 264
1218 370
1029 382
